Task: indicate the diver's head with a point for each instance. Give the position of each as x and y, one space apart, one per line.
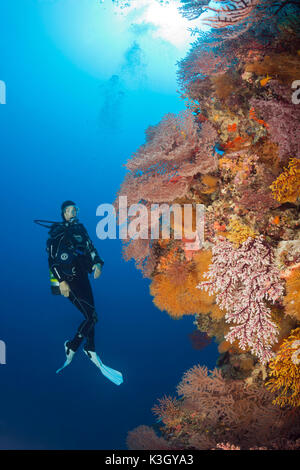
69 210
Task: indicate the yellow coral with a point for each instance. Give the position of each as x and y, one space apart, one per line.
285 372
237 232
292 298
286 188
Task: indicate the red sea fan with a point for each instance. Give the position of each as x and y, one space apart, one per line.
162 169
153 187
144 438
192 9
203 160
283 125
232 12
229 410
176 139
214 412
142 252
260 201
203 60
229 12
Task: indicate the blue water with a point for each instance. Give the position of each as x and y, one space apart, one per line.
65 134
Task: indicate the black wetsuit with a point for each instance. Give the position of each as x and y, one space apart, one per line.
71 256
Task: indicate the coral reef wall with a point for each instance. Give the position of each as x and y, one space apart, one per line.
235 150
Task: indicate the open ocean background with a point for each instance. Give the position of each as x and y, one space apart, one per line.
82 87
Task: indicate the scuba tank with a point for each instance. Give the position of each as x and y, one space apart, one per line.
54 284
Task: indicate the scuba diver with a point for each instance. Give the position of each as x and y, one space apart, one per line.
71 257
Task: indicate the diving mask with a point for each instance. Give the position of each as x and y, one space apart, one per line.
72 211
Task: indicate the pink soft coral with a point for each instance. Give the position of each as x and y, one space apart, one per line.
243 279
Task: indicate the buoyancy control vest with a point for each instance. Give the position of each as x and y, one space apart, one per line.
67 250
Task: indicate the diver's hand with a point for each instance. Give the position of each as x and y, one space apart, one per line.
64 288
97 268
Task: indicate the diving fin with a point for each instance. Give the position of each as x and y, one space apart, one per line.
114 375
69 355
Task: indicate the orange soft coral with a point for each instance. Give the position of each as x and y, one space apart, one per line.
209 183
292 299
285 372
286 188
170 258
174 290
